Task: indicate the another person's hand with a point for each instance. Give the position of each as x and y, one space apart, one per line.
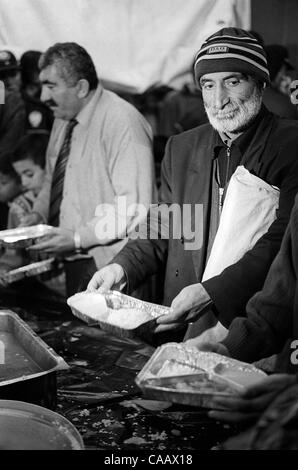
186 307
252 401
59 241
30 219
109 277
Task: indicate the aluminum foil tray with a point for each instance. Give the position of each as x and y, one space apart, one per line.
214 375
23 354
22 237
119 314
29 270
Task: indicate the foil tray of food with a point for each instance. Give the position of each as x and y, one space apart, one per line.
180 374
117 313
22 237
29 270
28 365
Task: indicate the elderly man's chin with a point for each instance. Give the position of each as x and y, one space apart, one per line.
244 113
236 124
229 125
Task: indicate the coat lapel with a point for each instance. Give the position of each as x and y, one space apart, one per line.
199 180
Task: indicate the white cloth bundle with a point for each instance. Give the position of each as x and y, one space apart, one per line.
249 209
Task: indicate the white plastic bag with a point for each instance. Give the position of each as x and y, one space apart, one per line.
249 209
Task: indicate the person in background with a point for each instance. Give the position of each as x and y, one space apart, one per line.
28 161
30 73
279 66
231 70
148 104
21 179
100 150
178 111
12 193
181 110
12 111
39 117
10 71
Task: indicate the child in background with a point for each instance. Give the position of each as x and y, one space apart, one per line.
28 162
11 192
21 179
19 204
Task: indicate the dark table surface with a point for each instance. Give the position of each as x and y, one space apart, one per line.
98 393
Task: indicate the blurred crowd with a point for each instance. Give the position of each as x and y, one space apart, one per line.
22 114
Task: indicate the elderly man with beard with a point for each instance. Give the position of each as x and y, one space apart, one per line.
231 69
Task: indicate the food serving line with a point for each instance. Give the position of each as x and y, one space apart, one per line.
92 366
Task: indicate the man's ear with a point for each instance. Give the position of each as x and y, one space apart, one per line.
83 88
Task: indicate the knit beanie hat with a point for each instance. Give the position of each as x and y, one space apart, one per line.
232 50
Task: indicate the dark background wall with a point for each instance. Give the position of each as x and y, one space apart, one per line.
277 22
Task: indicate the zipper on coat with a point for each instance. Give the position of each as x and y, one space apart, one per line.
222 189
221 193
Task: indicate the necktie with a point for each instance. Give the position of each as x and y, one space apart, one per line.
58 175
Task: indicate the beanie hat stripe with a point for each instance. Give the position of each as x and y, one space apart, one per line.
238 38
255 47
232 48
232 56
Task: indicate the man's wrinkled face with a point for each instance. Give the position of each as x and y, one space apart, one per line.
232 100
58 95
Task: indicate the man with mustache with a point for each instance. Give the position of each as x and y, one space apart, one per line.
231 69
100 149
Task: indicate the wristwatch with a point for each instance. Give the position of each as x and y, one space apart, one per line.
77 242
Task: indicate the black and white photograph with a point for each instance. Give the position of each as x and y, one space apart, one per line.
148 228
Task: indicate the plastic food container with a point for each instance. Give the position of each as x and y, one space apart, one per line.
185 375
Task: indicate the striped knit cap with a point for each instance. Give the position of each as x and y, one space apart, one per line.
232 50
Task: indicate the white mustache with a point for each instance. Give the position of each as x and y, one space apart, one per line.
223 113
